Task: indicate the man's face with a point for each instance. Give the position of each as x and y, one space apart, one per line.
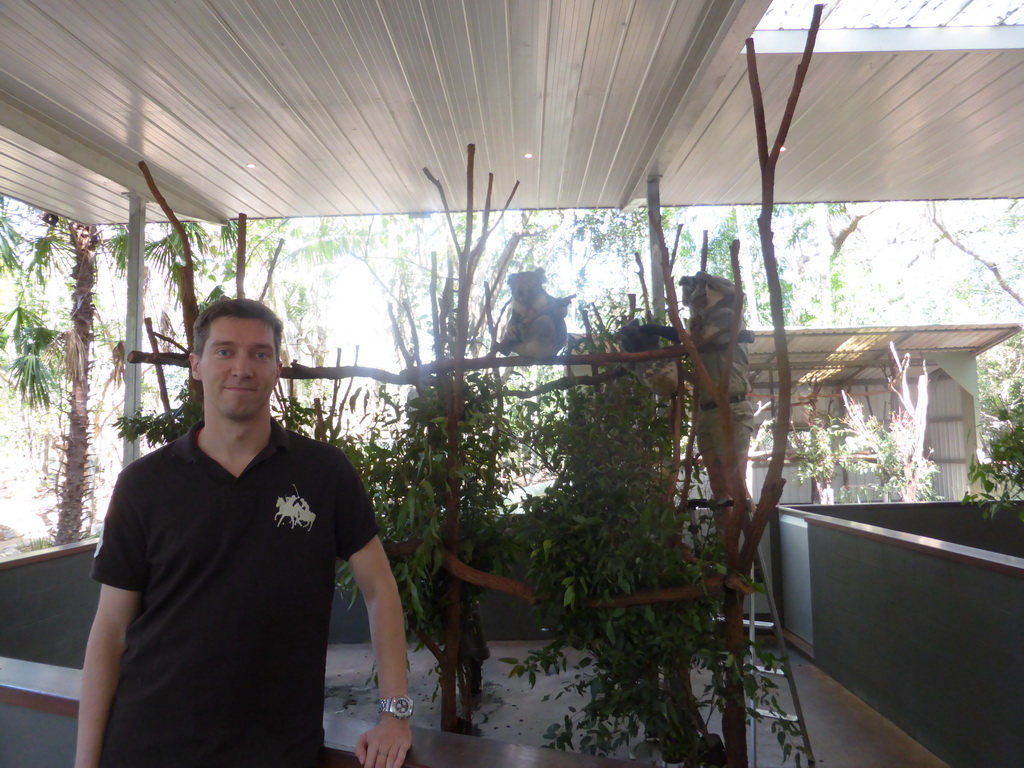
238 369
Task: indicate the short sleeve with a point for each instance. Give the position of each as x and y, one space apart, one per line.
355 523
120 559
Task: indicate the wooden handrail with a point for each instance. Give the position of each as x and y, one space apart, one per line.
977 558
38 556
55 690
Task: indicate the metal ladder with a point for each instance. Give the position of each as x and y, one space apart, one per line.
782 652
784 667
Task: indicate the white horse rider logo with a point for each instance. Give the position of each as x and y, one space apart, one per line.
295 510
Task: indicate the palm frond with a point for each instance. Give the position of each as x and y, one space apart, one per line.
10 242
33 379
25 326
76 355
116 241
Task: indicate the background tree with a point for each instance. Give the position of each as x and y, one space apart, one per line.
48 349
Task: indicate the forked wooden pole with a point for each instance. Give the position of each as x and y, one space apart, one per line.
734 714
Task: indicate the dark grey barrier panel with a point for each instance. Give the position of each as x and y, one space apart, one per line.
47 602
38 710
927 633
33 738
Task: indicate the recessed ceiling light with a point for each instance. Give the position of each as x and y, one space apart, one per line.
528 155
250 165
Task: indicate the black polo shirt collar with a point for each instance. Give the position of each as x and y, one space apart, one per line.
186 448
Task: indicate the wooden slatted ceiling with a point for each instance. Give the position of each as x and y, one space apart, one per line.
340 105
45 175
912 125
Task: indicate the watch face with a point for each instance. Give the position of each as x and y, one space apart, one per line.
402 707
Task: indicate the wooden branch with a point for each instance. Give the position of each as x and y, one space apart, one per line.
444 204
160 380
431 646
189 305
270 269
396 331
760 123
771 491
470 179
337 384
645 296
740 559
703 377
991 266
435 310
471 575
294 371
567 382
172 342
402 548
735 518
240 259
712 586
675 246
798 83
412 375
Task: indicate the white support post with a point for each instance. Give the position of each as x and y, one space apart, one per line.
133 321
657 278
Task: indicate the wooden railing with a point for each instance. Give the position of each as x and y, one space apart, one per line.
51 691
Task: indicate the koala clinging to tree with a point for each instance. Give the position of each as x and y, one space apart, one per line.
711 300
657 375
537 325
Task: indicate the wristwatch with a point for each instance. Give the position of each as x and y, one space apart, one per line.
400 707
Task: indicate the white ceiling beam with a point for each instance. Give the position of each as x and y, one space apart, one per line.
47 133
903 40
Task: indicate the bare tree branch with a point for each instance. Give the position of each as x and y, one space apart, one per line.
990 266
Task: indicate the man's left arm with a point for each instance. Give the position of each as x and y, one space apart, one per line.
385 745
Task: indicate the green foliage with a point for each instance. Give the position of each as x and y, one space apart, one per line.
164 427
403 458
11 239
615 232
1001 479
31 372
819 450
901 473
1000 383
36 544
605 528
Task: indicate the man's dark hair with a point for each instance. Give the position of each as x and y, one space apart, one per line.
243 309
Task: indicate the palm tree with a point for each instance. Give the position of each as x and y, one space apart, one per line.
73 483
40 351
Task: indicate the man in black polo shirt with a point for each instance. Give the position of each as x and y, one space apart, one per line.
217 565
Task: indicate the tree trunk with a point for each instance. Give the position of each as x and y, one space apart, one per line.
734 714
73 484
